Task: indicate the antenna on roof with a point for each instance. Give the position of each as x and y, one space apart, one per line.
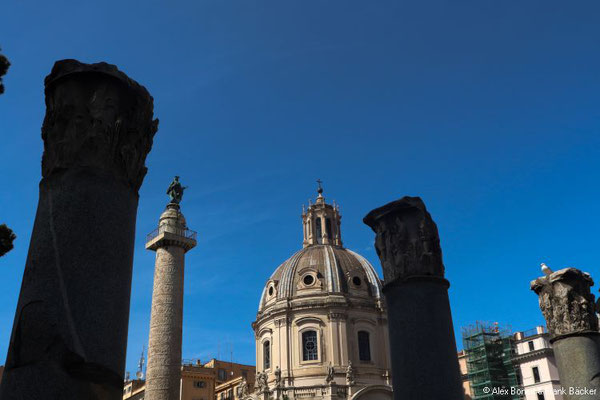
140 372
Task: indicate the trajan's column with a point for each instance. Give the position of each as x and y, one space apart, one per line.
171 240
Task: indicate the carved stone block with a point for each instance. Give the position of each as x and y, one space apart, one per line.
96 117
566 301
407 240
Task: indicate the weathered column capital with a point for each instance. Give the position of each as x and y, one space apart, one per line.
406 240
566 301
96 118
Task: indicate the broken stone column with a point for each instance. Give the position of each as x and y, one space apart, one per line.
569 310
69 335
422 345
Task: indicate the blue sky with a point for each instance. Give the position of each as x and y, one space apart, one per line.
488 110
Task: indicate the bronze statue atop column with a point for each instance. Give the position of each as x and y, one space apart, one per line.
175 191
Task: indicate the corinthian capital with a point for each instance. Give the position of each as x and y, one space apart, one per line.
96 118
566 301
407 240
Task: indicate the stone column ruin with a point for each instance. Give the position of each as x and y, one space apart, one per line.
569 310
69 336
422 345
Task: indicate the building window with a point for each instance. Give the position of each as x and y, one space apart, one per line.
266 355
328 228
199 384
536 374
540 396
319 231
308 280
222 374
309 346
364 347
531 345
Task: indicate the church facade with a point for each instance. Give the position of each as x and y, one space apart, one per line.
321 327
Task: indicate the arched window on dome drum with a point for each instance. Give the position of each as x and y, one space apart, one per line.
328 228
309 346
364 347
266 355
319 229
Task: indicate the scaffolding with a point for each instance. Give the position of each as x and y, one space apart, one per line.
489 350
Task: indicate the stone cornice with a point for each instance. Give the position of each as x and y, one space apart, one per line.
282 307
307 320
336 316
282 322
532 355
170 239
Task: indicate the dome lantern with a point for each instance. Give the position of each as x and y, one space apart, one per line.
321 222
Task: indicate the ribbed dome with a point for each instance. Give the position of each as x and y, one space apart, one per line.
320 269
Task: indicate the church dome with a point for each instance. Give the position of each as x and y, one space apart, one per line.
322 269
321 329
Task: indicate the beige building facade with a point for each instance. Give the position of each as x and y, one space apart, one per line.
201 381
321 327
234 389
134 389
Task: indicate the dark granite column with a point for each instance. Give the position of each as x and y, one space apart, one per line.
568 306
70 330
422 344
